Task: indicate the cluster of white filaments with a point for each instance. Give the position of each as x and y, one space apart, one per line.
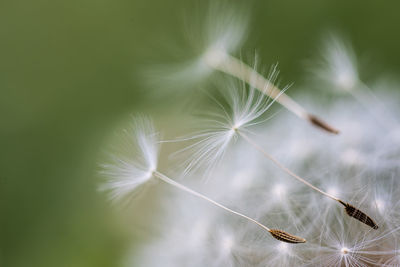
281 183
341 68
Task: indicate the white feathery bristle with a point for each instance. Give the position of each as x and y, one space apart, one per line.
224 30
134 164
212 35
339 66
244 107
248 105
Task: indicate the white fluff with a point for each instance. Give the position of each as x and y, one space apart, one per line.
133 165
242 108
338 65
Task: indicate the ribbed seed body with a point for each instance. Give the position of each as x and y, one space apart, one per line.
359 215
286 237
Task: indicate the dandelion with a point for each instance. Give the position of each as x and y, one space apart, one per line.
203 236
246 107
358 170
127 175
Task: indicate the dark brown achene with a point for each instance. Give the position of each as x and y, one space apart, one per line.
321 124
359 215
286 237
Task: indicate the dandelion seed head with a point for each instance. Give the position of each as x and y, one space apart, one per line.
242 109
338 66
344 166
332 238
344 250
134 164
341 64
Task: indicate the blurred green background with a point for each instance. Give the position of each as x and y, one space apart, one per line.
70 72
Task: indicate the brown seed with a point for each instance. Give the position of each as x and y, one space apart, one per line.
359 215
286 237
320 123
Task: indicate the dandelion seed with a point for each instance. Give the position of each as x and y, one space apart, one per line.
350 210
127 173
278 234
127 177
220 60
246 108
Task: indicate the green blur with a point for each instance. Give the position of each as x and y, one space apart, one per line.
70 72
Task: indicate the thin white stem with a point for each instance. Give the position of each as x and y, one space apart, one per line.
194 193
285 169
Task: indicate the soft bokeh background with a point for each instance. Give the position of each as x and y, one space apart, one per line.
70 73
